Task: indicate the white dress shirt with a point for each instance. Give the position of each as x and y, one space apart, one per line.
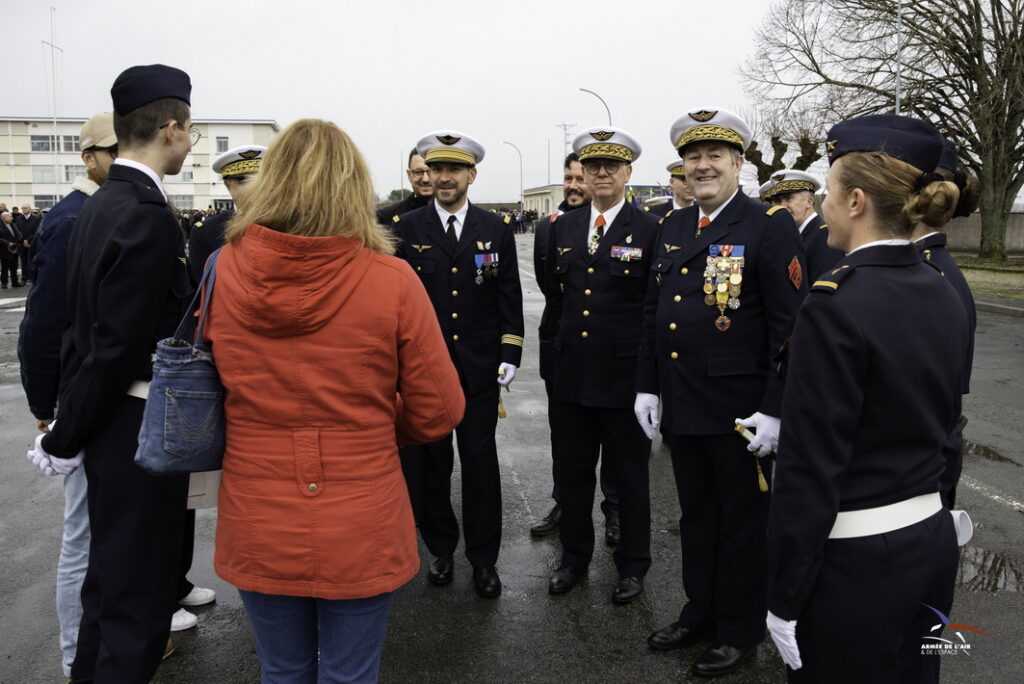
892 242
609 218
713 215
460 218
139 166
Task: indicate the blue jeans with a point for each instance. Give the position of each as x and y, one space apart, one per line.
290 630
74 559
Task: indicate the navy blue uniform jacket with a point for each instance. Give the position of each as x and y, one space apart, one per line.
820 257
715 376
128 286
599 300
482 321
872 382
205 239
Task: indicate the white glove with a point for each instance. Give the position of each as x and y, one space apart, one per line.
784 635
766 436
506 374
646 409
50 465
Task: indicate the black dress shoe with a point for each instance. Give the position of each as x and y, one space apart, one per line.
486 582
677 636
440 572
550 524
720 659
564 579
627 590
612 533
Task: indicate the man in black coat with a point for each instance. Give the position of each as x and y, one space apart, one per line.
10 241
597 263
28 222
728 280
576 194
466 259
128 287
422 190
794 191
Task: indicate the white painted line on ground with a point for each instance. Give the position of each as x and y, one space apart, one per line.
991 493
18 310
12 300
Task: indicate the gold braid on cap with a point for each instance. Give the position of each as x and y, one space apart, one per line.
449 154
606 151
710 132
241 167
677 171
788 186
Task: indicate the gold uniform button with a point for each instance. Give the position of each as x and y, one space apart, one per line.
590 269
455 337
419 268
684 270
583 334
674 355
586 313
677 298
586 292
312 486
455 315
671 326
455 269
455 293
625 272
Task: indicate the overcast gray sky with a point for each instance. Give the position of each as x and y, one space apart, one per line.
388 71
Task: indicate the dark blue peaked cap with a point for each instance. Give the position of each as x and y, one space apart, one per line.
949 159
901 137
140 85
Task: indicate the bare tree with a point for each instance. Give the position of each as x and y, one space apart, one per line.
783 129
959 64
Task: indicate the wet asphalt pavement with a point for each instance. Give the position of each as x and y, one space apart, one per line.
447 634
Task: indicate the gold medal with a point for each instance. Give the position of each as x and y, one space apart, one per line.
709 299
708 288
734 291
736 278
723 287
722 323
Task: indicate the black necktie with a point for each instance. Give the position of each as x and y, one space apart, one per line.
452 238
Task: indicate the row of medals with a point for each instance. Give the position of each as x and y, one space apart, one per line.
723 278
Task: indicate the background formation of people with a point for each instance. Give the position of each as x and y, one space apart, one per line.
359 345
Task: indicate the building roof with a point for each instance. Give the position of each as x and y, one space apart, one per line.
82 119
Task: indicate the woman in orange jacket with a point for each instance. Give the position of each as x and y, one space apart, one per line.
331 356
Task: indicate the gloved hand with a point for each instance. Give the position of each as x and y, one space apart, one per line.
646 409
40 458
784 635
50 465
505 378
766 436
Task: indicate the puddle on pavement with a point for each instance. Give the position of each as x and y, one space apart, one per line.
982 570
988 453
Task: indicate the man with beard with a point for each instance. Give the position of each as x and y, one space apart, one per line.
794 191
422 191
466 259
576 194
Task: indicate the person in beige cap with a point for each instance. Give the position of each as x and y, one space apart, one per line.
39 353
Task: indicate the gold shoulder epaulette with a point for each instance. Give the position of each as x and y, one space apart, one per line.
198 224
660 221
395 218
835 276
823 226
508 219
772 210
647 208
824 285
669 213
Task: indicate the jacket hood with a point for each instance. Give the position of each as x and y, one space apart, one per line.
281 285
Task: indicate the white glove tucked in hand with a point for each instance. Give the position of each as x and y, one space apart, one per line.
646 409
50 465
766 435
784 635
505 378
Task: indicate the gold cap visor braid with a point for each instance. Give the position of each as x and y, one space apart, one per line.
449 154
606 151
241 167
783 187
710 132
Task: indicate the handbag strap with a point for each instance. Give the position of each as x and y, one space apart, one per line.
189 325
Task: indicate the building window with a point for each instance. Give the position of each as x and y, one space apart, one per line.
183 176
222 144
180 202
42 174
73 171
71 143
41 143
44 202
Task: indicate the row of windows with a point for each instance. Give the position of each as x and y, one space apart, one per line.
69 143
44 174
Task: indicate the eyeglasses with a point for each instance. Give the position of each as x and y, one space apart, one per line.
594 167
419 174
193 132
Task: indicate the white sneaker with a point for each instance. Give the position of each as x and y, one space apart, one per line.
198 597
183 619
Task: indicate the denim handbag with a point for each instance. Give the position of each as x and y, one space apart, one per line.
183 426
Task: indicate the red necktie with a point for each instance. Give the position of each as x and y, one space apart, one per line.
598 233
702 224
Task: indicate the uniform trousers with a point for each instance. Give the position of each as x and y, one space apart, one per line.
136 521
722 531
481 485
581 434
610 502
864 620
8 267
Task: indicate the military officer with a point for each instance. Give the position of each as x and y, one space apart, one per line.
419 178
128 287
597 264
762 191
794 190
860 541
682 195
236 167
726 285
466 258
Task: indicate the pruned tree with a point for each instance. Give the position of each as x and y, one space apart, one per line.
958 64
783 129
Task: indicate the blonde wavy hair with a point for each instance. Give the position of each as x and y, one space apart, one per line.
892 183
314 182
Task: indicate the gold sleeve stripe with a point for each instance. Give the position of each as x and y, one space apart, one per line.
514 340
825 283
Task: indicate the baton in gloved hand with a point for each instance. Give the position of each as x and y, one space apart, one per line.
762 484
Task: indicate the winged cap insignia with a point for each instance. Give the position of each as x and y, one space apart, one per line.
448 139
703 115
249 154
602 135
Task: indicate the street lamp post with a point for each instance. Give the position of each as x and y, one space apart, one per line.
522 207
606 109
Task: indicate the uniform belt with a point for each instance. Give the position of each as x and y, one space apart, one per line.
140 389
870 521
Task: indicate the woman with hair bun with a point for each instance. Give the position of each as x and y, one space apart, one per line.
931 242
862 548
